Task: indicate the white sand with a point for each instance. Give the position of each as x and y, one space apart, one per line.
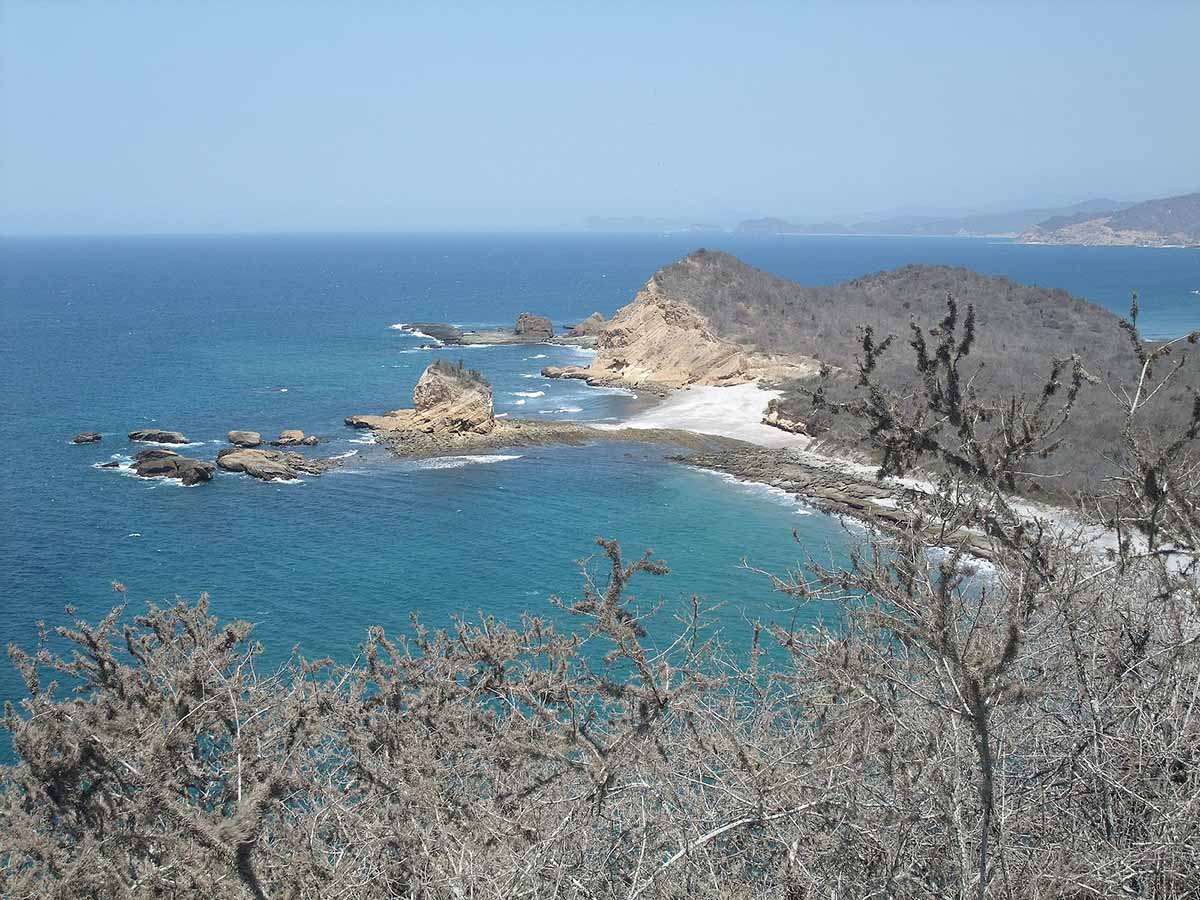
734 411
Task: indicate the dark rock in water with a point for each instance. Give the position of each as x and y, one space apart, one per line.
153 436
87 437
168 464
294 437
244 438
110 465
533 327
272 465
439 331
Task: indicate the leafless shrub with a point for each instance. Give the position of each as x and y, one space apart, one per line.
1030 729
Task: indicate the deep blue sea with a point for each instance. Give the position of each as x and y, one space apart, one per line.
206 334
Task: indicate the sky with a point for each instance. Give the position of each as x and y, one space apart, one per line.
376 116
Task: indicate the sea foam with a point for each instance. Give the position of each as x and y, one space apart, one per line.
458 462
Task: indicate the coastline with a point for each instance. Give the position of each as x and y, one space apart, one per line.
761 454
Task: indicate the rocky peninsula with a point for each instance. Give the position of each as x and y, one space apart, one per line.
661 342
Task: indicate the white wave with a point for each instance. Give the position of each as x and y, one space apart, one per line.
529 374
562 409
517 402
769 491
368 438
501 415
134 534
283 390
403 326
346 455
173 446
619 391
126 469
1197 293
457 462
530 394
538 356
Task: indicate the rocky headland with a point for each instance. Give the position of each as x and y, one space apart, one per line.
661 342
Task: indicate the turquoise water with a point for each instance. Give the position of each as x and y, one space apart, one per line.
207 334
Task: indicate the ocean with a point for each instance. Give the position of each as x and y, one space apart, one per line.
208 334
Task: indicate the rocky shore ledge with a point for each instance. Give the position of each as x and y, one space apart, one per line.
452 413
829 485
528 329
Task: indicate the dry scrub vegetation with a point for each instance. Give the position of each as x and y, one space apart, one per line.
1020 329
1027 731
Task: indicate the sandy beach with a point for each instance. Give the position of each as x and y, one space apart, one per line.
735 412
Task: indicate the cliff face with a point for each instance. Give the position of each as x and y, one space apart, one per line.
660 341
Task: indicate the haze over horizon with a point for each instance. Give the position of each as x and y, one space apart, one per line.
138 118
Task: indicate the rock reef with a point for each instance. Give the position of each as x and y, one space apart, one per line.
244 438
87 437
272 465
154 436
833 486
294 437
169 464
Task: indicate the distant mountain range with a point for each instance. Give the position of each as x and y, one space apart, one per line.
626 224
1006 224
1169 222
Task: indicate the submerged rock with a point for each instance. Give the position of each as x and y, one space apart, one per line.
272 465
87 437
169 464
244 438
154 436
533 327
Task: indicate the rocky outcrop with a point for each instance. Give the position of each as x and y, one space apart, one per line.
531 327
272 465
87 437
775 420
456 399
294 437
169 464
452 406
244 438
154 436
589 327
662 342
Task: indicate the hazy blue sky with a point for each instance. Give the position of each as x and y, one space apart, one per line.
251 116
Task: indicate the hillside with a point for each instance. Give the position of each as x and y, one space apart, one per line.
1021 329
1172 221
1000 223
